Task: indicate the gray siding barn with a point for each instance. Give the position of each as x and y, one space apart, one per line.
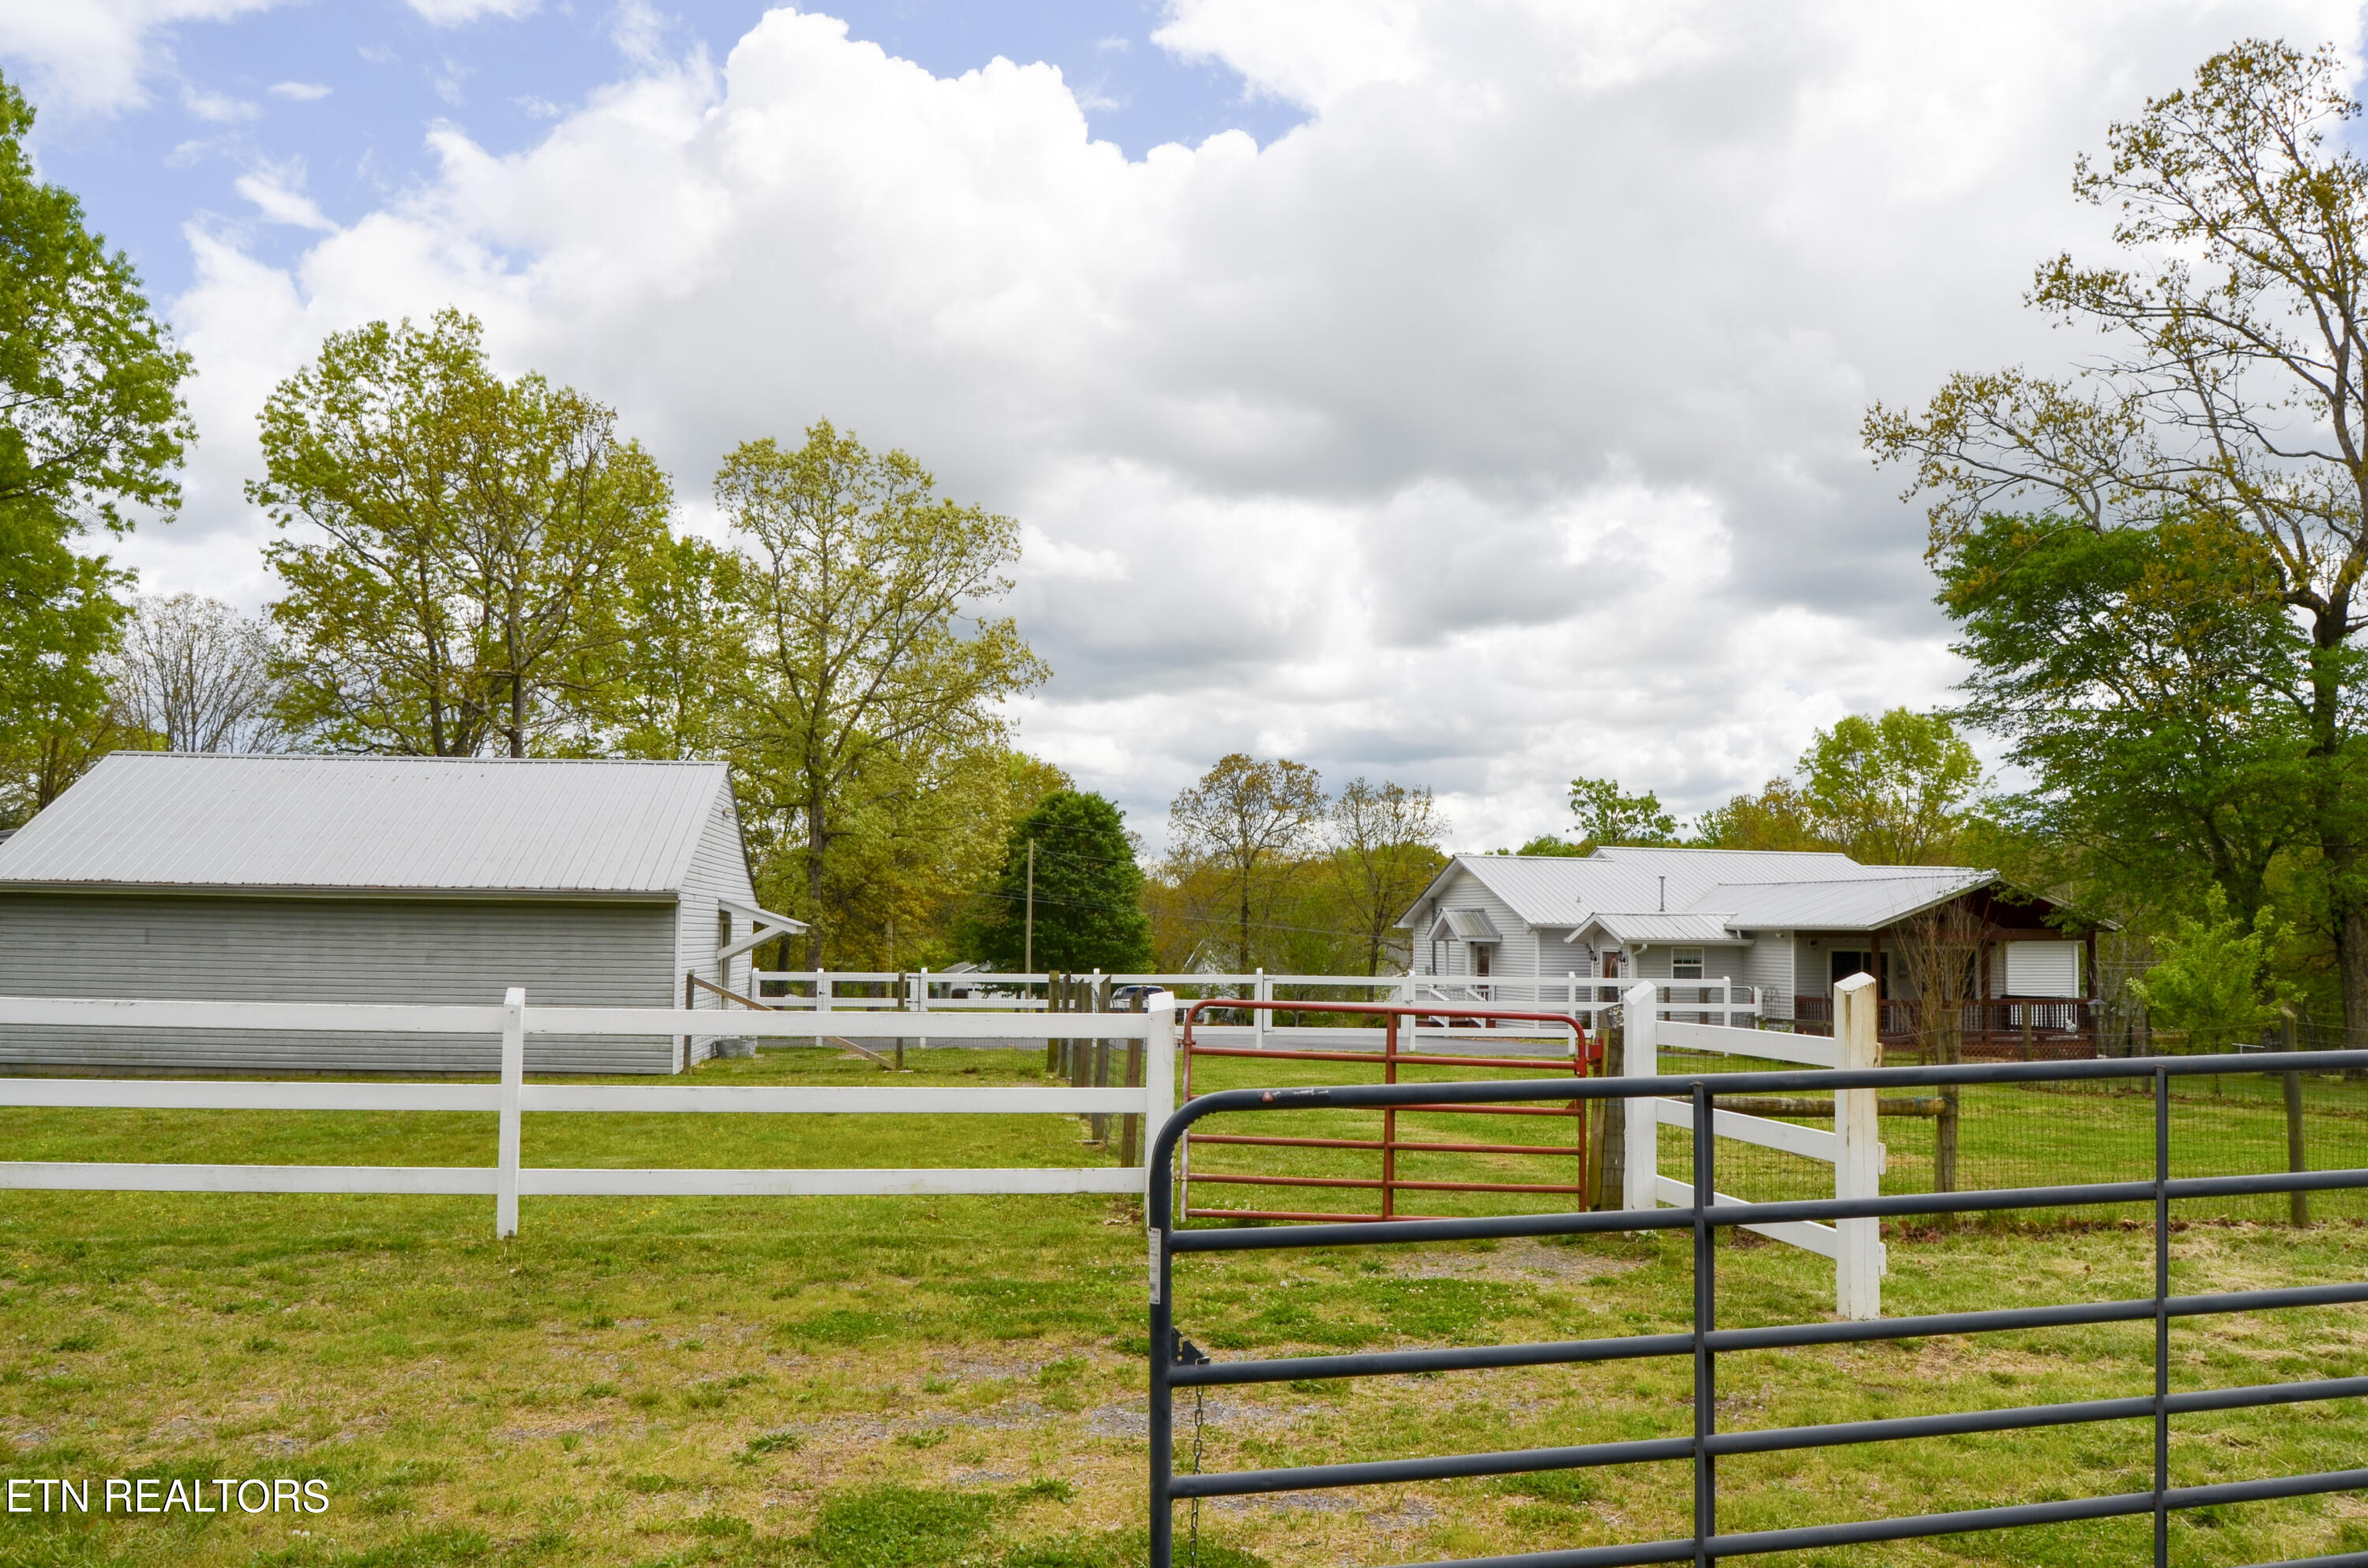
337 878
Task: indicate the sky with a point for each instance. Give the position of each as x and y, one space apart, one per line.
1461 393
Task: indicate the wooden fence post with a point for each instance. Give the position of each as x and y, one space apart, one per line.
1858 1163
1611 1138
1053 1055
506 1176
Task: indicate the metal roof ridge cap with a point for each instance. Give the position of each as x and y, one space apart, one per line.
343 890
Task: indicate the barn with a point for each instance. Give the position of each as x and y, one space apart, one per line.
377 879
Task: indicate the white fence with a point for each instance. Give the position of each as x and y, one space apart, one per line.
1853 1148
923 991
508 1099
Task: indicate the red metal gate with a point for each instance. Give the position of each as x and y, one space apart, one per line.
1587 1058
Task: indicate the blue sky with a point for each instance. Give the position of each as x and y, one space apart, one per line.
340 96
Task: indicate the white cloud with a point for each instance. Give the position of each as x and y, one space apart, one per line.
95 56
459 13
1497 424
298 92
217 108
277 193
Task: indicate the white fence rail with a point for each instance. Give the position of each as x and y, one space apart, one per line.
1854 1148
512 1096
1718 1000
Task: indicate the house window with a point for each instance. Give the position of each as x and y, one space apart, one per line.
722 929
1611 964
1685 963
1480 958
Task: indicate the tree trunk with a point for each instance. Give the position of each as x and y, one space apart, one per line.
1242 957
2352 958
1948 1048
817 842
2339 845
1944 1143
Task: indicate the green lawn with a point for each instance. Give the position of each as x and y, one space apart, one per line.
883 1381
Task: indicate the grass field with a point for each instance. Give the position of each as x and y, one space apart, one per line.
829 1384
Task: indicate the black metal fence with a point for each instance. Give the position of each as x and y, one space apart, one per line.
1174 1366
2060 1134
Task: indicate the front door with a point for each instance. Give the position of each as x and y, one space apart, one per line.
1846 963
1480 951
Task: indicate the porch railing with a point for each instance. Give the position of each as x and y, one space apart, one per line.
2028 1029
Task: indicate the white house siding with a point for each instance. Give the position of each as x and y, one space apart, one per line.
1718 962
719 869
1768 966
1517 951
468 951
1813 959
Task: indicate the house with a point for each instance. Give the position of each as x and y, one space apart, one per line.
1786 924
377 879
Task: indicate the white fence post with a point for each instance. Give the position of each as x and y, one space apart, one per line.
506 1177
1158 1075
1639 1006
1263 992
1858 1166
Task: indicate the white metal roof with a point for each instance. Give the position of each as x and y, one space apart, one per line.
1471 924
1714 929
467 824
1856 904
1565 890
1706 895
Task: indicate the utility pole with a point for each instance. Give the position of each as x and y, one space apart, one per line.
1028 955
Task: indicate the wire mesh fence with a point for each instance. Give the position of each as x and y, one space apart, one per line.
2007 1136
2046 1134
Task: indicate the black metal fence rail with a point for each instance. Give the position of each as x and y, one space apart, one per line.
1706 1340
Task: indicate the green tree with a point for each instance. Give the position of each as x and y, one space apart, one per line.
466 546
2226 382
1890 790
1246 821
1779 817
2138 675
1553 845
1606 816
1088 892
1386 850
2213 978
869 660
662 688
91 430
902 876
